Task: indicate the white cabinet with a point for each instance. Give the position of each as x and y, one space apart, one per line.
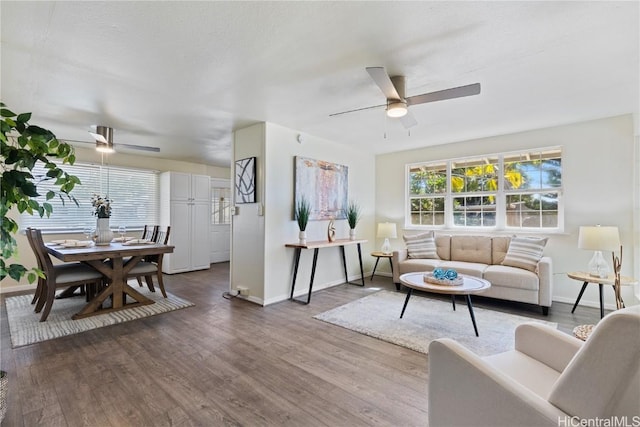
185 205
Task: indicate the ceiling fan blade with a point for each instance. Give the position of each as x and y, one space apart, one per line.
139 147
357 109
99 138
408 120
441 95
130 146
382 79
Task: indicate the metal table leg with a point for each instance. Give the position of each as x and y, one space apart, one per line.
473 318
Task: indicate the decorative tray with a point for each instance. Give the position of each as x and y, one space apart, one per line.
458 281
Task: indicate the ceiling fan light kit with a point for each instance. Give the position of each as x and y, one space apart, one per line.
104 139
397 109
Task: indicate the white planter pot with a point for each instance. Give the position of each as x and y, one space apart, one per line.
352 234
302 238
104 235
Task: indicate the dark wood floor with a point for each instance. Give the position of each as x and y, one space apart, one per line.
228 362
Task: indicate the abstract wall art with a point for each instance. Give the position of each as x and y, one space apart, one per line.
324 185
245 185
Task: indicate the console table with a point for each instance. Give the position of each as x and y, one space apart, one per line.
316 246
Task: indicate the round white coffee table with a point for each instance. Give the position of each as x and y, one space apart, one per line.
471 285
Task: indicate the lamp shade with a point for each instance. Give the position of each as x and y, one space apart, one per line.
387 230
599 238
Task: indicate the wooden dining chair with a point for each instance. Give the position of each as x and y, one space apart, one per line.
148 233
58 276
152 264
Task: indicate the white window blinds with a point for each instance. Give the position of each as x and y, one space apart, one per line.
133 192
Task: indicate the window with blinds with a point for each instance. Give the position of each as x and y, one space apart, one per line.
134 195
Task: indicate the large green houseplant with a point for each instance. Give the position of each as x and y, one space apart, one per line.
22 147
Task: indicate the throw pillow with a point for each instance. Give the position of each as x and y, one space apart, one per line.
524 252
421 245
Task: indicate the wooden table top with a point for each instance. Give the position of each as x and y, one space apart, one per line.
113 250
325 243
583 276
471 285
382 254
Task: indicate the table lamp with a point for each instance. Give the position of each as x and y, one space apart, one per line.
599 239
386 230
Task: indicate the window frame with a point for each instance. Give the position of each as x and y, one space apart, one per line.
501 194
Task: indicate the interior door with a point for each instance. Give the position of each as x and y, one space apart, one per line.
220 220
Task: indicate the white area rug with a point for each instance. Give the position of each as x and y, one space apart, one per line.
26 328
426 319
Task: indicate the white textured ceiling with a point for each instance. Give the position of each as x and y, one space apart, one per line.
183 75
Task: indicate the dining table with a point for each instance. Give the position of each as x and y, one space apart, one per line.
122 257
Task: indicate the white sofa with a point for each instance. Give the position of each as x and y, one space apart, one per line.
482 256
549 379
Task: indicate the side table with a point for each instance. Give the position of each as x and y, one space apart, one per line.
586 278
379 255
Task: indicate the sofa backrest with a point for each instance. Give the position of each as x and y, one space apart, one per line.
471 249
499 248
443 247
482 249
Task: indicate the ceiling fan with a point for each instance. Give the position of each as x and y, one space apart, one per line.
398 105
104 141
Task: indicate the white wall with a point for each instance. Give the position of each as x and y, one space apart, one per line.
598 179
281 148
247 225
259 259
87 155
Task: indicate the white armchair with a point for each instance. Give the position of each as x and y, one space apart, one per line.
547 380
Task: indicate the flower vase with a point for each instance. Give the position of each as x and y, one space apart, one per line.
302 237
104 235
352 234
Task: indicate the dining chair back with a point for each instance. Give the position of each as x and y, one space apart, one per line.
38 296
152 265
57 277
149 232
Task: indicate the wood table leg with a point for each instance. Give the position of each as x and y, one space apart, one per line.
117 289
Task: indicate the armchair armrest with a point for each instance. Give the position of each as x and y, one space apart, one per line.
464 390
396 258
546 345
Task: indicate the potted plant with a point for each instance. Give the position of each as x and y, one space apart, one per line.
22 146
303 210
353 216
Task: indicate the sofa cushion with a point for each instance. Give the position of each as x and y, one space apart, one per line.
471 249
524 252
421 245
474 269
443 246
499 248
512 277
